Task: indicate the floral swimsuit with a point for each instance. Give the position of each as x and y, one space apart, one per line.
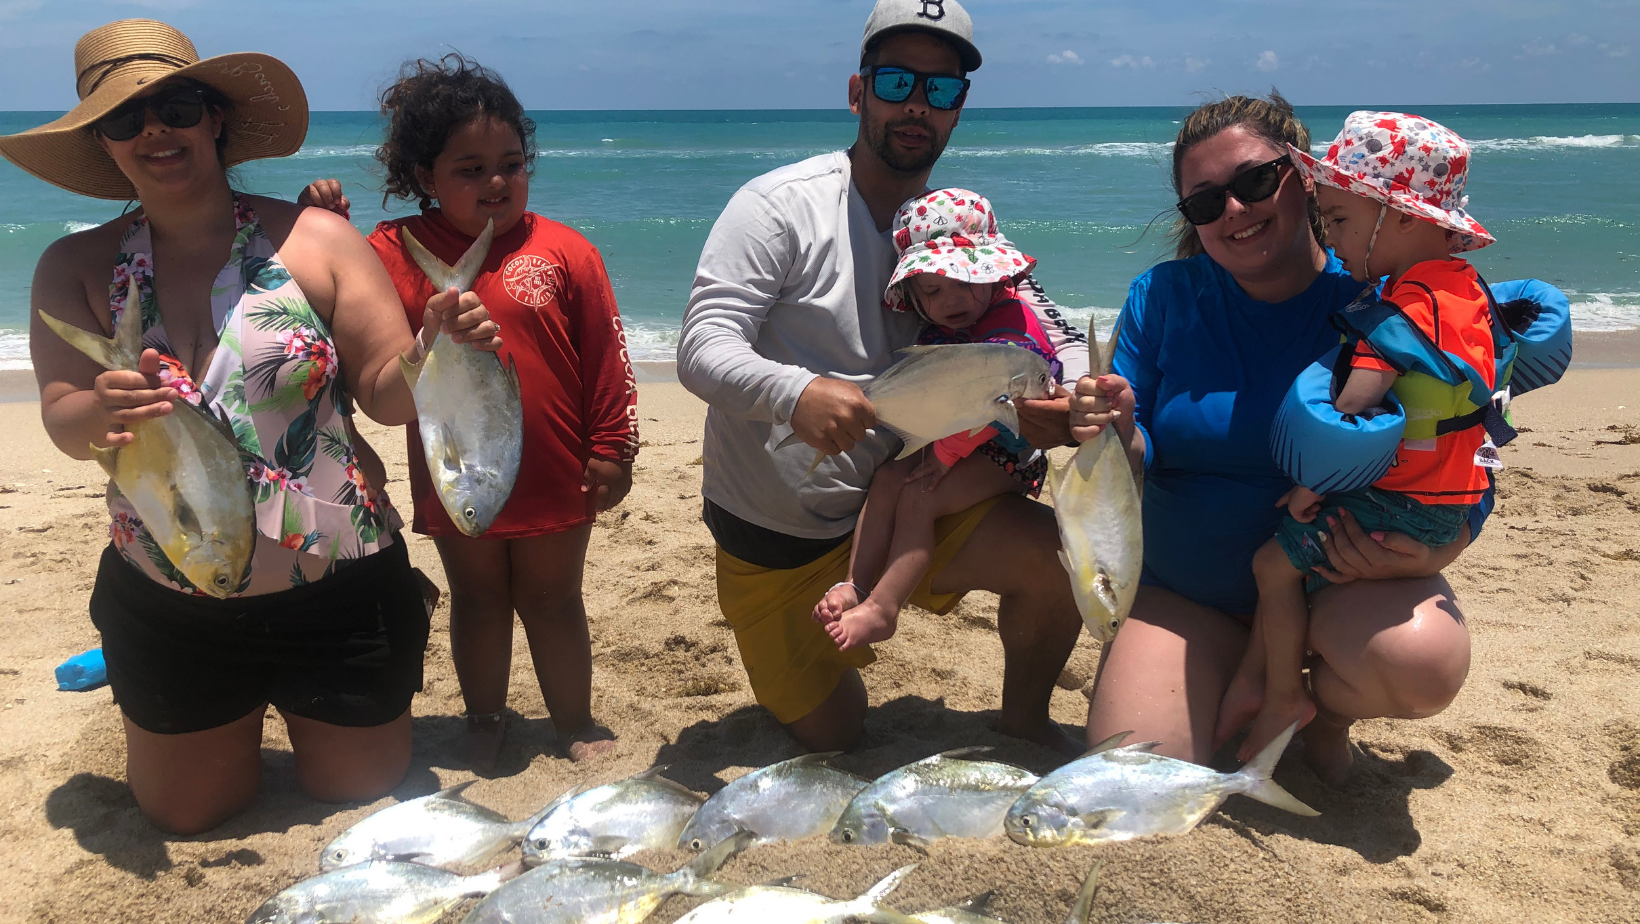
274 374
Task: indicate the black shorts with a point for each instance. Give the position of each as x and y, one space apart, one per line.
345 650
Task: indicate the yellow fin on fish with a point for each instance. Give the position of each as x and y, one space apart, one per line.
107 459
411 371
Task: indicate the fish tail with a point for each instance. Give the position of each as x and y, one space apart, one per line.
105 351
889 883
105 458
819 456
1256 782
1082 907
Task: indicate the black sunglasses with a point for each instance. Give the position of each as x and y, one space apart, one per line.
179 108
895 85
1255 184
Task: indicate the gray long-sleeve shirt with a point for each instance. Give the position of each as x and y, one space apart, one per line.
790 286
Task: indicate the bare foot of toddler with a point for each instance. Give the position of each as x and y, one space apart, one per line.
841 598
1240 706
867 623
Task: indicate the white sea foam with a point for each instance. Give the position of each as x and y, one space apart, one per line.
14 350
646 342
337 150
1599 311
75 227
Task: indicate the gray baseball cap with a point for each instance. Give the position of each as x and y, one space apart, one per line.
944 18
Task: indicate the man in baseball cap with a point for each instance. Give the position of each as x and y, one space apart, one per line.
784 324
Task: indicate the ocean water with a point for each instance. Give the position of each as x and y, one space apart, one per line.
1559 186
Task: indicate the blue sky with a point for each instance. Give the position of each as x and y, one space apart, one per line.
776 54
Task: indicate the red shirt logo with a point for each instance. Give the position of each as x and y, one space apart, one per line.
531 280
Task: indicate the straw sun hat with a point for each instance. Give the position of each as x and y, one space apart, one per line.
119 61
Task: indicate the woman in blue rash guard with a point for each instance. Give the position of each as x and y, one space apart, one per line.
1209 344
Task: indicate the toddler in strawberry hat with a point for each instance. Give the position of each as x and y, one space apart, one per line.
1391 192
958 273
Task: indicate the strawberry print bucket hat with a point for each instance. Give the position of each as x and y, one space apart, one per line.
952 232
1407 162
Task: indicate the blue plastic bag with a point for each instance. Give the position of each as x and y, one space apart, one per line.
84 671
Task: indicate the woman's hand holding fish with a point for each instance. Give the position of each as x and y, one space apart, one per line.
1045 422
1098 402
832 415
128 398
462 317
609 481
1356 554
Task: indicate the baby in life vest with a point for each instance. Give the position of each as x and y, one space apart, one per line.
1390 190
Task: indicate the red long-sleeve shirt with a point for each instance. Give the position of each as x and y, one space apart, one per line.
546 286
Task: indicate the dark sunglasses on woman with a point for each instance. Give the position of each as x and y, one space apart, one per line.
896 84
1255 184
182 107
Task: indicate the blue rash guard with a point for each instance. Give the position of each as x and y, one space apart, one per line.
1209 366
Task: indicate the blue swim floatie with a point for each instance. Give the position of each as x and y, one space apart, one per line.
1324 450
1540 318
83 671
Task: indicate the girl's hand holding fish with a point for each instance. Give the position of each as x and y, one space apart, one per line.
462 317
1098 402
610 480
128 398
832 415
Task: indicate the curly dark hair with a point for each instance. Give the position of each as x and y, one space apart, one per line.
428 103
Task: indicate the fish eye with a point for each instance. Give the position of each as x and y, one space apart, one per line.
1026 821
339 855
697 844
848 836
470 513
541 844
222 580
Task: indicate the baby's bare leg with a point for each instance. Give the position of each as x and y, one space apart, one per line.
1283 617
873 532
969 482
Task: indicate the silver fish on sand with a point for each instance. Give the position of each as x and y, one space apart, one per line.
378 892
786 905
944 389
442 829
973 910
941 796
641 812
1117 793
182 472
592 890
1096 504
788 801
468 406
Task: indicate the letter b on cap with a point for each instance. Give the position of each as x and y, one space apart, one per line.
932 10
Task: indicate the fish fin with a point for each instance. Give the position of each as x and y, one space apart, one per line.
963 753
1256 780
888 883
108 459
454 793
977 904
1083 905
922 349
413 856
510 871
103 350
819 456
708 863
913 445
817 757
512 376
1065 560
792 439
977 430
1098 818
223 425
1109 744
1008 415
471 263
607 845
411 371
907 839
1143 747
653 773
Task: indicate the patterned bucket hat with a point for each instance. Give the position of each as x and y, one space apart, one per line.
1408 162
952 232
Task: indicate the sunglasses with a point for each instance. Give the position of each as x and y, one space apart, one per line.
1255 184
895 85
180 108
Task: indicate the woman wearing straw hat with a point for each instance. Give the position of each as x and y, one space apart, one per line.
280 319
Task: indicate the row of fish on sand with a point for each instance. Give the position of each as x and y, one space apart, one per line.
403 865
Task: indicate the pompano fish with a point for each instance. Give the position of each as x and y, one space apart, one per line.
940 390
442 829
1096 504
940 796
378 892
788 801
468 406
182 472
590 890
973 910
641 812
1118 793
785 905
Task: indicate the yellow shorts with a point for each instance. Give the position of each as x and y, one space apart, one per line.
793 665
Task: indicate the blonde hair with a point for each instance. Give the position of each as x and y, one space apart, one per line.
1271 118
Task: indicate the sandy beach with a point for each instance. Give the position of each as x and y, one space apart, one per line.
1519 803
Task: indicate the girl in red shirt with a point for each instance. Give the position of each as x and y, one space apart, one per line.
460 139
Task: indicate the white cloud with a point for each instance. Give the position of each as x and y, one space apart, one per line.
10 8
1613 51
1065 57
1132 62
1540 49
1267 62
1193 65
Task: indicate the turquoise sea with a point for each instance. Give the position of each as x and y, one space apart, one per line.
1558 185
